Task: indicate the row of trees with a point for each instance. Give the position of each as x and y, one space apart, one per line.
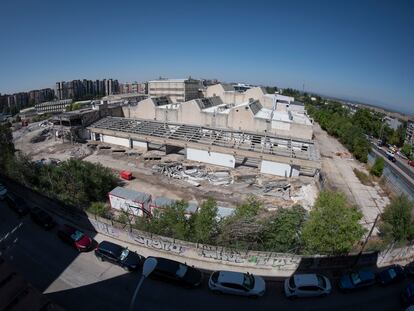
73 182
352 129
332 227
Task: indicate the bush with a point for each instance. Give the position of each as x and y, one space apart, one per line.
406 150
363 178
397 220
100 209
378 167
282 232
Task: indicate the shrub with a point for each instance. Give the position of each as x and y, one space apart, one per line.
378 167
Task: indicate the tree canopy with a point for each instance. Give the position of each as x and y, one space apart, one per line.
333 227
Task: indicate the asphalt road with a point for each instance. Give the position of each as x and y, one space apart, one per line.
400 163
81 282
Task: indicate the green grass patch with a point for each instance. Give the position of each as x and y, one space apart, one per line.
365 179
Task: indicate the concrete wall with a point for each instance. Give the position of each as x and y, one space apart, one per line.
274 168
145 109
140 144
125 142
215 158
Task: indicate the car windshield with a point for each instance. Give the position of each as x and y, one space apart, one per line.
76 236
181 271
248 281
355 278
321 281
124 254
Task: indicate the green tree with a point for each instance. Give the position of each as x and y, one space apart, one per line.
6 144
397 220
406 150
100 209
171 221
378 167
333 227
282 232
205 223
243 229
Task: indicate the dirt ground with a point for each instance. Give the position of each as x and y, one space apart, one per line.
337 167
300 190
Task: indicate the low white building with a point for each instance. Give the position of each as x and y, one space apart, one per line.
130 201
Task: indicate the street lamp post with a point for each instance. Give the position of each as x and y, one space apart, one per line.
149 266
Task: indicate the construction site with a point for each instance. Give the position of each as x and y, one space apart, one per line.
186 161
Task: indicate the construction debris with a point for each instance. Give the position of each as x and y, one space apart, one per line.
280 189
193 173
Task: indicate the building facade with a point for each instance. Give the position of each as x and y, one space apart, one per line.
178 90
53 106
86 89
409 136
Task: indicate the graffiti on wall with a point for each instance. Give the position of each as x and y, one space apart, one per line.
258 259
158 244
104 228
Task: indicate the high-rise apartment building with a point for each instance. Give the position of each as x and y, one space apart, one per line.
178 90
83 89
409 136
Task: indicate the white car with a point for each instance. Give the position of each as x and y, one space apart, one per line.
307 285
3 191
236 283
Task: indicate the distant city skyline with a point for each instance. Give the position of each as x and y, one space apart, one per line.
357 50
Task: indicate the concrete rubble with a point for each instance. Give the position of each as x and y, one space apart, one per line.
280 189
193 174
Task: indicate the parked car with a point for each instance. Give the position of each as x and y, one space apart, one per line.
390 275
237 283
409 269
119 255
307 285
42 218
17 204
410 163
357 279
178 272
407 296
75 237
3 191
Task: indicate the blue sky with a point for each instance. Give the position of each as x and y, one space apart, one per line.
355 49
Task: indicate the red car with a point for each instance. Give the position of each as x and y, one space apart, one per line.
75 237
411 163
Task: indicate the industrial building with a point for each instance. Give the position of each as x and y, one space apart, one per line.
53 106
275 155
285 118
178 90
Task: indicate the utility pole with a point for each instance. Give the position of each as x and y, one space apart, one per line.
366 241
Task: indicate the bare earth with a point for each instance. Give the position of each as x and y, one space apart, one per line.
338 165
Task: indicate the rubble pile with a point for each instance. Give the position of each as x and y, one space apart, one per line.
42 136
280 189
193 173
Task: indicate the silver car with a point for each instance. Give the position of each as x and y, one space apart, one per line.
236 283
307 285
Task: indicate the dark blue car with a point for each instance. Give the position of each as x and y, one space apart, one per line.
407 296
390 275
356 280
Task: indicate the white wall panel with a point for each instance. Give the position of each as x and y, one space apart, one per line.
274 168
115 140
140 144
215 158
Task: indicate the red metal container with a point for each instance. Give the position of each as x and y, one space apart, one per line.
126 175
